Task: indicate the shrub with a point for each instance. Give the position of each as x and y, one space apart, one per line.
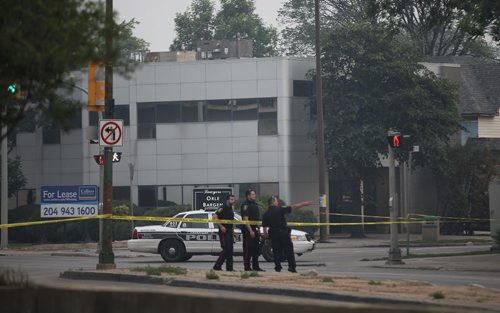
327 279
11 277
437 295
496 237
212 275
305 216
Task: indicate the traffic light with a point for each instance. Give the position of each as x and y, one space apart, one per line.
95 81
395 140
14 89
99 159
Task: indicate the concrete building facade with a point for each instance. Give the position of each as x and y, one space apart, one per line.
235 122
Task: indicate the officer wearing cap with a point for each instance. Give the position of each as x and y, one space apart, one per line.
251 233
279 232
225 212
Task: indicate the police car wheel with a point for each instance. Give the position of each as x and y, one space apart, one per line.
172 251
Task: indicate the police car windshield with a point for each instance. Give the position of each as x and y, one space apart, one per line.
174 224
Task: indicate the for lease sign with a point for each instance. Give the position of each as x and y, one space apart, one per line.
69 201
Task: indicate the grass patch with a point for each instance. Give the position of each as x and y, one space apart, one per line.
12 277
437 255
212 275
173 270
246 275
437 295
374 283
327 279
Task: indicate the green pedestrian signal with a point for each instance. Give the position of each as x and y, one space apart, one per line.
12 88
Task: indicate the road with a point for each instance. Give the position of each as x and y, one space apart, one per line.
345 261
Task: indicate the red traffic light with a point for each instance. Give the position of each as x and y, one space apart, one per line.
394 141
99 159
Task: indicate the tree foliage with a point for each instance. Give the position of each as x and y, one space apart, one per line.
464 177
41 42
201 22
196 23
16 179
443 27
373 83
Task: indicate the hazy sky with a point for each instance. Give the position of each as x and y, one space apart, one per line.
156 17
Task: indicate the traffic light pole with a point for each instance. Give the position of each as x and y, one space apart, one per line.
106 255
394 251
4 209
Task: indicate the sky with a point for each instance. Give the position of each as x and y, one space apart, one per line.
156 17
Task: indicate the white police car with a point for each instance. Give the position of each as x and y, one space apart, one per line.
179 241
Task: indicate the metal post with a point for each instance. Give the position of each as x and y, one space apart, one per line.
323 175
106 255
394 251
5 189
131 205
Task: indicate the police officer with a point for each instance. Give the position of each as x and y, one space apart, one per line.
251 233
279 232
225 212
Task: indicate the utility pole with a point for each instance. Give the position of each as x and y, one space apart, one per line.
322 171
394 251
4 205
106 255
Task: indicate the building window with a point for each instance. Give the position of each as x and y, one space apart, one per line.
122 112
147 196
51 135
303 88
470 130
146 120
76 119
121 193
245 109
219 110
146 131
168 112
268 117
192 111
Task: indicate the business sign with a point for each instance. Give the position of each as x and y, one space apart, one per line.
69 201
210 197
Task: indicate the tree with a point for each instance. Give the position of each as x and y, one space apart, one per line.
193 25
16 179
127 44
464 177
297 16
235 17
373 83
41 42
238 17
444 27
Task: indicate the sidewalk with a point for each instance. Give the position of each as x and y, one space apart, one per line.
384 240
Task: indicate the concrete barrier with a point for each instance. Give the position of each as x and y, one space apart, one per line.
79 299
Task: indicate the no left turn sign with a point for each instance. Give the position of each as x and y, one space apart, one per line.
110 133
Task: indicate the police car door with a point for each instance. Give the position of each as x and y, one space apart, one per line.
197 236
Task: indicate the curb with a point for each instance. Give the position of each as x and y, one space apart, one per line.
438 268
290 292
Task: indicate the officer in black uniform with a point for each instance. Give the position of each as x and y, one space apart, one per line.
279 232
251 233
225 212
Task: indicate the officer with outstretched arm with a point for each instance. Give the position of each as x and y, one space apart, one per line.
279 232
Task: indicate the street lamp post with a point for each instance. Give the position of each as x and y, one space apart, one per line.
323 175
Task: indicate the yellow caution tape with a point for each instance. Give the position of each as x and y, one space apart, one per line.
199 220
416 215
